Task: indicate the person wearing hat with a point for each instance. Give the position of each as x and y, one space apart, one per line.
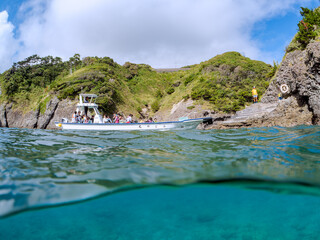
255 95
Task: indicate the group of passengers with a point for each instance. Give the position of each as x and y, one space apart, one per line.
78 118
118 118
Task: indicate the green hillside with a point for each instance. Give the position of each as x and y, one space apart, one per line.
222 83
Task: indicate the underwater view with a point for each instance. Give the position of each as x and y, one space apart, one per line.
255 183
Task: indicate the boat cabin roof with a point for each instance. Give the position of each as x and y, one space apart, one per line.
88 95
87 100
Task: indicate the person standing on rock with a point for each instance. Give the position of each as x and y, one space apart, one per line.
254 95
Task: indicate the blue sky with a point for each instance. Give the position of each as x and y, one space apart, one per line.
161 33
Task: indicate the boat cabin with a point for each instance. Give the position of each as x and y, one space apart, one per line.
86 102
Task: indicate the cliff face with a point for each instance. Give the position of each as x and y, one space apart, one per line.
55 111
300 71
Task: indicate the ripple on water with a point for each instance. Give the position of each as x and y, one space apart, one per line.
41 167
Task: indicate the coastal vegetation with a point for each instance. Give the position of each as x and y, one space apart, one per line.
308 29
222 83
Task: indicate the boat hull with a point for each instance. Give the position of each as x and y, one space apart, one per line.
159 126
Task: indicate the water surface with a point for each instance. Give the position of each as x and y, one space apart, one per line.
42 168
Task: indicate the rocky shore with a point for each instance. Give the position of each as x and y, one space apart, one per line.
55 111
300 71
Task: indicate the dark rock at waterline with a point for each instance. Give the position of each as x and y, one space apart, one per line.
3 116
45 119
287 113
65 109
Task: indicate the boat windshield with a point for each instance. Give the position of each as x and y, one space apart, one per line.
87 98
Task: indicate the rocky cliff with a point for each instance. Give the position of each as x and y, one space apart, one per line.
300 71
55 111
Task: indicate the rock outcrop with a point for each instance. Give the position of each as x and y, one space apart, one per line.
3 116
300 71
286 113
16 118
64 109
45 119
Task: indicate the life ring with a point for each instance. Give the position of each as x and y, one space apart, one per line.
284 88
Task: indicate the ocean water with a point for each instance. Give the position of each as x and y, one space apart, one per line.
257 183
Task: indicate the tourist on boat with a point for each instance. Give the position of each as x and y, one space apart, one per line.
92 119
150 120
74 117
86 120
116 118
106 119
78 117
83 118
89 120
121 120
129 118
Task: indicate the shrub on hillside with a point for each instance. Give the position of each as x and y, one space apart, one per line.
159 94
139 109
186 97
155 106
190 78
170 90
68 92
306 28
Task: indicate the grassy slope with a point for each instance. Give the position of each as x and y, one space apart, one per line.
222 83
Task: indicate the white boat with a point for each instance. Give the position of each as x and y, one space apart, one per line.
98 125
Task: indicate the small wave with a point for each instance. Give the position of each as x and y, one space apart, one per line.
41 167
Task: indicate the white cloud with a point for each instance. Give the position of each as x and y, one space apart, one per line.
162 33
8 45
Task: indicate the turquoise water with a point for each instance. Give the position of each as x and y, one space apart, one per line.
260 183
